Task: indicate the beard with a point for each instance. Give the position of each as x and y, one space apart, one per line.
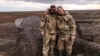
52 12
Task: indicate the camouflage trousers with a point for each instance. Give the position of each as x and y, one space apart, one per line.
48 44
65 43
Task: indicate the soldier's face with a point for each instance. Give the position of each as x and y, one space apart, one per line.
60 11
52 10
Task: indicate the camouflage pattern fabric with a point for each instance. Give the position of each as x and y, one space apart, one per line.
48 26
66 28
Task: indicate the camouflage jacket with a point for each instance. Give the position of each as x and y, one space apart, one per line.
66 24
48 23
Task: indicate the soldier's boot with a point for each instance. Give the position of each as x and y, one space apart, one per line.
60 52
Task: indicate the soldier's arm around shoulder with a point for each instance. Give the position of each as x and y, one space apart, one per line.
72 25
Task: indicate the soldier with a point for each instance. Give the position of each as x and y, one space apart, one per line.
66 29
48 31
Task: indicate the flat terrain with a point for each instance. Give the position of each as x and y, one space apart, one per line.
11 16
77 14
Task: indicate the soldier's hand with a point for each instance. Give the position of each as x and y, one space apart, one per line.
72 38
42 33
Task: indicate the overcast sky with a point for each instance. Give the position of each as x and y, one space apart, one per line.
40 5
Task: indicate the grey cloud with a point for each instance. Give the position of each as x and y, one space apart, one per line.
66 1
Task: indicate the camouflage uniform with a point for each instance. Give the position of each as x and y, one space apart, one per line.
65 27
48 26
